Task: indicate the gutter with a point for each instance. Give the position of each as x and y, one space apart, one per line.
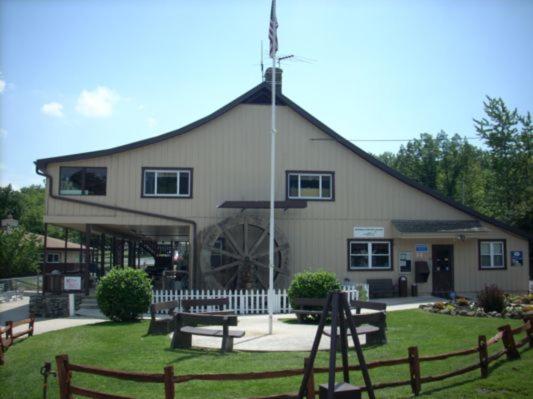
192 223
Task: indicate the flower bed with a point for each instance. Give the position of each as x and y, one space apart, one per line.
515 307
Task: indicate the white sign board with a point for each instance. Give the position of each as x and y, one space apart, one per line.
72 283
368 232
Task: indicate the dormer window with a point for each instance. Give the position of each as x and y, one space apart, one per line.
167 183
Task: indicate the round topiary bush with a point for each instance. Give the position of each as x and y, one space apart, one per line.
313 285
124 294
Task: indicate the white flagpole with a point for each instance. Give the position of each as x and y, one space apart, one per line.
272 199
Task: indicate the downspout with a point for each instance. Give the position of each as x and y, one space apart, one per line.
192 223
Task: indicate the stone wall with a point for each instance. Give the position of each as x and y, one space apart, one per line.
52 305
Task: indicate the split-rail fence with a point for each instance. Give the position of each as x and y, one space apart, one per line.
505 334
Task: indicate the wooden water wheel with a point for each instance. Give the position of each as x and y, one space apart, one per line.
234 254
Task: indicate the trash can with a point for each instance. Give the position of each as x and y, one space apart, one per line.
414 290
402 286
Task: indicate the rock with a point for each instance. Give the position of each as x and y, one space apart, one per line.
471 314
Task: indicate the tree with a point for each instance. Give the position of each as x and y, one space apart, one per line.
19 253
507 134
10 202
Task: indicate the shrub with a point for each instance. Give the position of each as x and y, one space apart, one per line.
124 294
461 301
313 285
491 299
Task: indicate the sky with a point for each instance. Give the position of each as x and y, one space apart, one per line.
79 76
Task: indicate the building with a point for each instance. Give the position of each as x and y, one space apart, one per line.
61 251
338 208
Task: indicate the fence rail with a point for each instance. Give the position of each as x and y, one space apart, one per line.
247 301
505 335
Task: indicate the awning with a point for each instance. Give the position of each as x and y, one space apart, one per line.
438 227
293 204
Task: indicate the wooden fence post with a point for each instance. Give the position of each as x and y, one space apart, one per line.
509 342
310 382
529 331
63 377
483 356
169 382
9 333
32 322
414 369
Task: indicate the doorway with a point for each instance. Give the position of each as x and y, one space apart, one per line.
442 256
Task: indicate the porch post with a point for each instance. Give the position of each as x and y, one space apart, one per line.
190 263
102 255
87 256
45 256
113 255
65 255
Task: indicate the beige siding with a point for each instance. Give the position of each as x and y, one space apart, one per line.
230 161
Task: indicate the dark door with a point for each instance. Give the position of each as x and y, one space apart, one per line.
442 269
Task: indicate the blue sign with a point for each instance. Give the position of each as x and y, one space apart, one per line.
517 258
421 248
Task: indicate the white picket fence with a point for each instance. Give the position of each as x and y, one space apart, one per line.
247 301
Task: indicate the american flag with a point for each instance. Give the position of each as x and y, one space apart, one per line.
273 31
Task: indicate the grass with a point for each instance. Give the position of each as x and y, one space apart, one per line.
126 347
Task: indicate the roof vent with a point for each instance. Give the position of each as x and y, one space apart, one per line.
268 78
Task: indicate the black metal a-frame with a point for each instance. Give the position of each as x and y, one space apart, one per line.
341 320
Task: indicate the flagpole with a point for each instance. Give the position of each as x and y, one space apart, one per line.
272 201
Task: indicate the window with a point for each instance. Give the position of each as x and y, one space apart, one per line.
82 181
167 183
310 185
52 257
492 254
364 255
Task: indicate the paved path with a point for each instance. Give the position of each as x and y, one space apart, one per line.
287 336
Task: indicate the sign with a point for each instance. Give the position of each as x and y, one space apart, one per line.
368 232
72 283
517 258
405 261
421 248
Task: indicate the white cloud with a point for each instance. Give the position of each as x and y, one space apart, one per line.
2 85
97 103
52 109
151 122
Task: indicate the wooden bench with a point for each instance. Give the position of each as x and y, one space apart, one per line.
307 307
377 319
216 305
365 329
381 288
186 325
165 324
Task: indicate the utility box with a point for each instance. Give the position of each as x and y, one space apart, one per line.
414 290
402 286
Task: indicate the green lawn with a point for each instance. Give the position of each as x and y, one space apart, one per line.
125 347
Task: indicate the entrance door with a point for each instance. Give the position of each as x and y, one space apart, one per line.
442 269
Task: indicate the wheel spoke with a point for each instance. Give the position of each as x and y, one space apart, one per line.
226 286
223 267
276 269
223 252
259 240
245 236
232 242
265 253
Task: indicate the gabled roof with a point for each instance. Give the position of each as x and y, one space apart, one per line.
261 94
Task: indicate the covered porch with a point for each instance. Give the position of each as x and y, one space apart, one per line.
165 252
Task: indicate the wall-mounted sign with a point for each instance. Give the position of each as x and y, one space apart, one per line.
72 283
421 248
517 258
405 261
368 232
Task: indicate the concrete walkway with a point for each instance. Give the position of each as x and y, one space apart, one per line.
288 336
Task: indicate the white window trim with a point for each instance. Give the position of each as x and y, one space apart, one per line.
492 254
300 196
177 172
370 254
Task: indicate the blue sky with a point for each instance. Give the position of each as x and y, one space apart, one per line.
78 75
